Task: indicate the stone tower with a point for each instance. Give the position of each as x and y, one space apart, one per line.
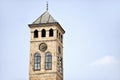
46 48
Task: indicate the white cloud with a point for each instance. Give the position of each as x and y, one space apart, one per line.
106 60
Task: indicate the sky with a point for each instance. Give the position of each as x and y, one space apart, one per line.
91 41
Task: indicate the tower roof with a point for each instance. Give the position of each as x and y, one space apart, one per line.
45 18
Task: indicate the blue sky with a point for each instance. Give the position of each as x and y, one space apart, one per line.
91 41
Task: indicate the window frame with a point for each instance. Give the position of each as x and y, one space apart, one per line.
48 62
61 65
38 63
36 34
57 34
43 33
51 32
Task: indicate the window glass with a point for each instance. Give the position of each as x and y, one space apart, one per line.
43 33
37 61
48 61
51 32
61 66
48 65
36 34
57 33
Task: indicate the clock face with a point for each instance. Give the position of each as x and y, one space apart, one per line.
43 47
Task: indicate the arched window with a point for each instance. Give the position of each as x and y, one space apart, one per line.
43 33
61 38
37 60
61 65
57 33
36 34
51 32
48 61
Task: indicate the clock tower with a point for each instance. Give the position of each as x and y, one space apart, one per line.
46 48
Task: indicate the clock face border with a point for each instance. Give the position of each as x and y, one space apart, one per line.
43 47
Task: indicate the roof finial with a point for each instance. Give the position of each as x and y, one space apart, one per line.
47 6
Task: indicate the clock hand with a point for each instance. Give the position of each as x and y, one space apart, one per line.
44 47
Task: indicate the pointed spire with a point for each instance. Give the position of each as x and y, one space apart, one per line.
47 6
